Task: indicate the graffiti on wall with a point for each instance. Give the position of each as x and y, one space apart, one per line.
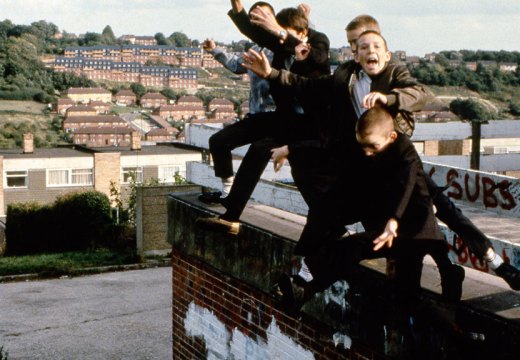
461 254
493 192
224 344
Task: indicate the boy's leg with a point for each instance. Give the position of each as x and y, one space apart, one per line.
223 142
476 240
248 174
452 275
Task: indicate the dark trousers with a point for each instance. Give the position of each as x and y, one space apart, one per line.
453 217
338 259
264 131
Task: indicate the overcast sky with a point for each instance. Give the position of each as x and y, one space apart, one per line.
411 25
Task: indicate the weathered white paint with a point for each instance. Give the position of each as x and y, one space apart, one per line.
343 339
200 321
221 344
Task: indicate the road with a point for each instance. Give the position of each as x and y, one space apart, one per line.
120 315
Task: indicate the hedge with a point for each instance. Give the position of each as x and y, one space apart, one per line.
75 221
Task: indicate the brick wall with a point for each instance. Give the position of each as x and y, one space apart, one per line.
152 218
431 148
217 316
221 304
107 167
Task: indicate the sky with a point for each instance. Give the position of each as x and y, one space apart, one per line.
411 25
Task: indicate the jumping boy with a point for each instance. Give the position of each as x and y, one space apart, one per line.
398 216
291 121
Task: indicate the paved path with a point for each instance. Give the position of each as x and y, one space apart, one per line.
121 315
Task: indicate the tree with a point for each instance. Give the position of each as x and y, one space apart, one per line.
138 89
180 39
108 35
470 109
161 39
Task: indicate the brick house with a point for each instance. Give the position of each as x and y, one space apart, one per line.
100 106
126 97
145 40
102 136
221 103
223 114
153 100
85 95
181 112
63 104
42 174
190 100
73 123
162 134
81 110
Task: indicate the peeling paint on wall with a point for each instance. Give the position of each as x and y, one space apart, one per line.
223 344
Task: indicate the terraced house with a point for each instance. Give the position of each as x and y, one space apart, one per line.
42 174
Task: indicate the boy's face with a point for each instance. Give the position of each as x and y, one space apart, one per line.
376 142
353 36
371 53
300 35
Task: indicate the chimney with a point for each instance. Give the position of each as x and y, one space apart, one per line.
28 143
136 141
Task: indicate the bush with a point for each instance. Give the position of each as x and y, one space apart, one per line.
28 230
76 221
82 220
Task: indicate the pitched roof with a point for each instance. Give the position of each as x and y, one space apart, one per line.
95 130
93 119
125 92
154 95
87 91
81 108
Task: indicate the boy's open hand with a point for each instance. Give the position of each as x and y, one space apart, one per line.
266 20
370 100
208 45
388 235
257 63
279 157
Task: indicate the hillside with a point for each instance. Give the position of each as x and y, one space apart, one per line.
18 117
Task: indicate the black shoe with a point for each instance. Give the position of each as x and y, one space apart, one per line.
510 274
451 283
213 197
291 289
218 224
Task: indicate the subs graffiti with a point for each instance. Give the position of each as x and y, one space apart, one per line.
498 193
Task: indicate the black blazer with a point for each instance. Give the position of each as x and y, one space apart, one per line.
396 188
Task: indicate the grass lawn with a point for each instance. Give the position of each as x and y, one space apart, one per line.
62 263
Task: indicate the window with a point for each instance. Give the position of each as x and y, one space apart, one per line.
16 179
129 173
167 173
70 177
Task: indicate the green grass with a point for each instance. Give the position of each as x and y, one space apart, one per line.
62 263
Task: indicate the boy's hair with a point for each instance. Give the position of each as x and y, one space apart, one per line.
375 33
261 4
363 21
292 18
377 117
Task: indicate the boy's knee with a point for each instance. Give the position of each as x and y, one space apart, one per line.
215 141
